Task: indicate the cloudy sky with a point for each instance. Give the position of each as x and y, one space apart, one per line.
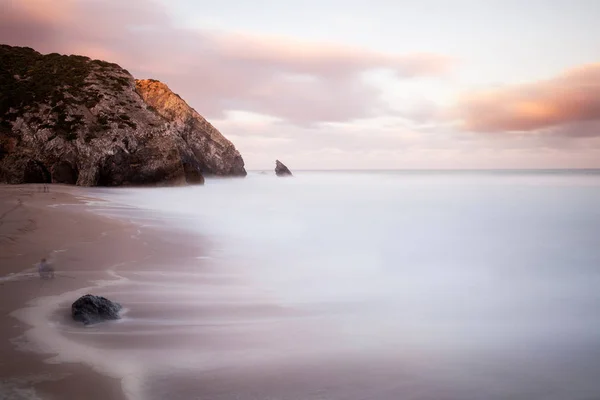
347 84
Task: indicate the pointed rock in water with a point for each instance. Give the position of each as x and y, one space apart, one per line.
91 309
281 170
74 120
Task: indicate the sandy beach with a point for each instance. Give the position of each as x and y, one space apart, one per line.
82 246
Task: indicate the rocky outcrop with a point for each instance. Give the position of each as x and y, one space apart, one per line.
70 119
216 154
91 309
281 170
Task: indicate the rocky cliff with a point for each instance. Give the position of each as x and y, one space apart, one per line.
70 119
216 154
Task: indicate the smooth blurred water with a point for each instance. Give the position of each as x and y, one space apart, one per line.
489 273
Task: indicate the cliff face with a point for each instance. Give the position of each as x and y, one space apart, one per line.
216 154
70 119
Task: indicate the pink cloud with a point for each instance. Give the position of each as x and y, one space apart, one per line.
303 83
570 98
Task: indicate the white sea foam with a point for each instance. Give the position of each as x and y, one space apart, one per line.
481 283
44 337
23 388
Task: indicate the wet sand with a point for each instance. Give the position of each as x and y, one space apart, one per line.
83 247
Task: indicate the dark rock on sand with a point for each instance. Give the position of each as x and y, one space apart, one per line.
281 170
91 309
74 120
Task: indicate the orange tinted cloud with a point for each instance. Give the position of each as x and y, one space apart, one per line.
44 10
326 58
300 82
569 98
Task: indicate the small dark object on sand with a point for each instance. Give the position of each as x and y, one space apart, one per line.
281 170
45 269
91 309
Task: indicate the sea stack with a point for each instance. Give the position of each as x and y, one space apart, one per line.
281 169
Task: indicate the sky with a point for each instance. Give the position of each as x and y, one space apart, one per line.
378 84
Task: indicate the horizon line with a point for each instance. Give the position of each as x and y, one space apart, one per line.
434 169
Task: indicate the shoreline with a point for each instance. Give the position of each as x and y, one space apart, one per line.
39 360
299 290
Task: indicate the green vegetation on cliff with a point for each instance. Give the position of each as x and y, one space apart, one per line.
63 83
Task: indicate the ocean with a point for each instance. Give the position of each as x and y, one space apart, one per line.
429 285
